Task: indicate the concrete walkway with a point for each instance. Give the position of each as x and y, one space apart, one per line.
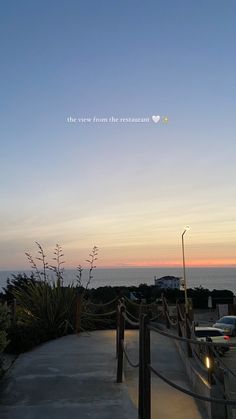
71 377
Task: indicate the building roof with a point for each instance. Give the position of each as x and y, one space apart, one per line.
168 277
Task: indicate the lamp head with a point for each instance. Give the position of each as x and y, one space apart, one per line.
186 229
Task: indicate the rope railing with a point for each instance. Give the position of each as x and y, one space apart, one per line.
110 313
158 316
131 322
198 360
207 346
102 304
139 304
182 327
131 315
183 339
171 321
186 335
180 314
191 393
223 363
132 364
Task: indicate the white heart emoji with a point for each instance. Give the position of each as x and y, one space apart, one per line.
156 118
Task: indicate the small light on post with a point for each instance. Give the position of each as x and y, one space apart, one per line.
208 362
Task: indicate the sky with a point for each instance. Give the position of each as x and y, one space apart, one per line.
129 188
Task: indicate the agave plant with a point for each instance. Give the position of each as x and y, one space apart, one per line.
50 307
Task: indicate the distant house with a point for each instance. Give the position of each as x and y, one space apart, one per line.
167 282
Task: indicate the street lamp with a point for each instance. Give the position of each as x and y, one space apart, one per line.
185 283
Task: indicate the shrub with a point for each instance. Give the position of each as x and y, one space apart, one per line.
48 307
4 325
18 281
24 337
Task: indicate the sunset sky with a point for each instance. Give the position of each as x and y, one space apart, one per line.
128 188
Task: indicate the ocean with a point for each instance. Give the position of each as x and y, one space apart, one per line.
211 278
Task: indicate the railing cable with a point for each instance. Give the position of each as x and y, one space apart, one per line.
223 363
191 393
102 304
128 358
131 315
195 342
110 313
131 322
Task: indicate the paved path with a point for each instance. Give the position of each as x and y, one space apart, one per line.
74 377
167 403
71 377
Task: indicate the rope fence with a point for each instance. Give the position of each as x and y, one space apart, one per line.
103 304
191 393
132 364
110 313
147 323
185 335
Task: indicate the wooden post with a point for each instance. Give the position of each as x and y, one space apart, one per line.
141 373
144 407
179 320
210 355
228 408
119 376
117 327
188 335
166 311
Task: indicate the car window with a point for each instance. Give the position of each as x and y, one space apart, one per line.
205 333
215 333
226 320
229 320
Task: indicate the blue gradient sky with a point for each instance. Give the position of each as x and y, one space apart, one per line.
128 188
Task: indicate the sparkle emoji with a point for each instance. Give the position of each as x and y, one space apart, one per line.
165 119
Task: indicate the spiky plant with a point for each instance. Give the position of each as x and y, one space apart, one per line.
42 258
58 269
91 261
79 276
49 307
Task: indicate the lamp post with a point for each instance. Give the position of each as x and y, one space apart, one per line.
184 272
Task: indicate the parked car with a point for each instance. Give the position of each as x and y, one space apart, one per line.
227 324
216 336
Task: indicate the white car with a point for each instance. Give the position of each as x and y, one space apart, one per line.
216 335
227 324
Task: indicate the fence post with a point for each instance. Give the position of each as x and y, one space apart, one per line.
178 319
144 407
165 311
210 355
121 328
117 327
188 335
228 409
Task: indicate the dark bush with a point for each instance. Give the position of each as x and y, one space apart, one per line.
24 337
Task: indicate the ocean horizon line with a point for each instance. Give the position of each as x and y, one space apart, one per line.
129 267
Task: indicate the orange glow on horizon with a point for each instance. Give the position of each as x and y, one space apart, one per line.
200 263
